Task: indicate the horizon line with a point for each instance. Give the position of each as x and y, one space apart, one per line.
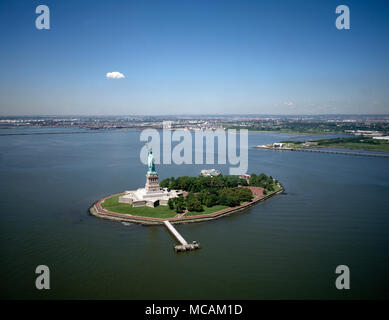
194 115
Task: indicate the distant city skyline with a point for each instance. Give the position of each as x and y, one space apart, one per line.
203 115
194 58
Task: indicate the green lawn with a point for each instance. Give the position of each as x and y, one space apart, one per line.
381 146
276 188
206 210
378 145
112 204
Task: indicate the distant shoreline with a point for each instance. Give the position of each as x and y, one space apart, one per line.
298 133
369 153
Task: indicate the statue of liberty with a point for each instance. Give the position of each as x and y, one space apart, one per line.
150 161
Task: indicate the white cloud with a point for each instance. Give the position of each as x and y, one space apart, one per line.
115 75
290 103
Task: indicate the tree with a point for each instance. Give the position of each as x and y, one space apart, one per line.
211 200
234 196
253 180
232 202
194 204
179 204
202 196
165 183
269 186
243 182
222 200
171 204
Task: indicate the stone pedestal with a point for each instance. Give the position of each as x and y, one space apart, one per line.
152 184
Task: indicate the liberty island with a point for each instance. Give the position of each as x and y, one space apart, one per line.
186 199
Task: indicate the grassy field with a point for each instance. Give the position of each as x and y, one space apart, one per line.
383 146
276 188
354 143
112 204
206 210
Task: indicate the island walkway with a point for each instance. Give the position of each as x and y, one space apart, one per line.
175 233
184 245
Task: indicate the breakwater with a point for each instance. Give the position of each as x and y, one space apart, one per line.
349 153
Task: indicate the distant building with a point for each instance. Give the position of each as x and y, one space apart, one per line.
382 138
210 173
245 176
167 125
364 132
309 143
278 145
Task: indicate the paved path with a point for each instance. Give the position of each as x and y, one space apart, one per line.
175 233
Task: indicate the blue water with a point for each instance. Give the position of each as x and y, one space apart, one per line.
335 211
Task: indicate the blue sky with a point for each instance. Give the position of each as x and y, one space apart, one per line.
194 57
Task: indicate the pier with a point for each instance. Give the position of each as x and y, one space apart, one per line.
184 245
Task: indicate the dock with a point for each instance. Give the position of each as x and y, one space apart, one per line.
184 245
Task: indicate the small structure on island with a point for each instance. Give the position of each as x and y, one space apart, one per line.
245 176
210 173
278 145
152 194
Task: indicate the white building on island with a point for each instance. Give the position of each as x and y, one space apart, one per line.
210 172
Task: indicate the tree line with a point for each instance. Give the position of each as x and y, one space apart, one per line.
211 191
197 184
230 197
